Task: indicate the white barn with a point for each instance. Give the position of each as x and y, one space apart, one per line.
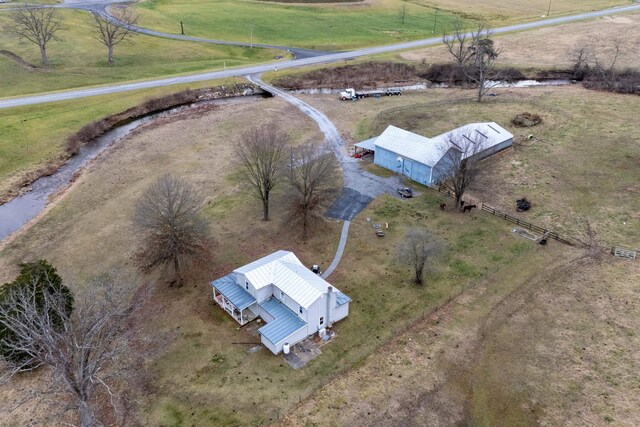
293 301
420 158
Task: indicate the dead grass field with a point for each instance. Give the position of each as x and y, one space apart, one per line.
581 164
551 47
551 346
191 372
498 11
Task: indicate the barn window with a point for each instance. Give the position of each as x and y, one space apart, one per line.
246 285
300 310
281 294
321 321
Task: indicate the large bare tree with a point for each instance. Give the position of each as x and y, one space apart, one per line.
474 54
311 176
37 24
458 168
482 70
174 233
84 351
262 151
418 246
114 29
461 44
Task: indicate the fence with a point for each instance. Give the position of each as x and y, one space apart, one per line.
550 234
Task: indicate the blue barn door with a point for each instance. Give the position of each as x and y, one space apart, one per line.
407 166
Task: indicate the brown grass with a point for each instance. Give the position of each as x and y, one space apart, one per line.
551 47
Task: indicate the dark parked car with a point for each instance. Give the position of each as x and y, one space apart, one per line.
406 192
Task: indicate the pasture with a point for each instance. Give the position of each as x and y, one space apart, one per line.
579 165
193 373
78 60
34 137
342 26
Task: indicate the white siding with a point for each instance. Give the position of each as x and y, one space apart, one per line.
341 312
291 339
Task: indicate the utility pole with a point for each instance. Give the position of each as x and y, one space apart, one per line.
435 21
251 36
549 8
181 28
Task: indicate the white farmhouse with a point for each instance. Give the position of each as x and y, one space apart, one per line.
293 301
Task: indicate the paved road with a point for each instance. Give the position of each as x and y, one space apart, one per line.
323 59
101 9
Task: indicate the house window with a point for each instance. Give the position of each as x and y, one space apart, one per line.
282 295
246 285
300 310
321 321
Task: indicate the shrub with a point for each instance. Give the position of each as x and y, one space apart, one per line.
526 120
36 278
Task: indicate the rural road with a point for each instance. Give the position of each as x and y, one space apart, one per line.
323 59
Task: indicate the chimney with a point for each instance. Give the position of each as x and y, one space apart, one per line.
329 290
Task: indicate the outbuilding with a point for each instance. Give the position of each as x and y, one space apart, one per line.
420 158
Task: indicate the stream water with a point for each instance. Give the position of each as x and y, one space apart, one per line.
17 212
425 85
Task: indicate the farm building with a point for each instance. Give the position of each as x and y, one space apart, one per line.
423 159
293 301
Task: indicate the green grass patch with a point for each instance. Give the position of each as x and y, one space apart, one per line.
323 27
78 60
35 135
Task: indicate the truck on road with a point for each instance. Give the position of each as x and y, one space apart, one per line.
351 94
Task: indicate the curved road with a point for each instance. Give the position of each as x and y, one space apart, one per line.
257 69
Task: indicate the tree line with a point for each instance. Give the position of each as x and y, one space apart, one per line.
40 25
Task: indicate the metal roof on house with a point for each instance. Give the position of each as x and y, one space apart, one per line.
341 299
285 322
260 272
299 283
369 144
235 293
285 271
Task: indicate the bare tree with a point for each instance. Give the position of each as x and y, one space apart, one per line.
461 45
311 176
84 351
482 67
175 235
474 54
418 246
459 166
112 30
604 63
262 152
37 24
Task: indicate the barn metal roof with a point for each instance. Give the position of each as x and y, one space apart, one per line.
430 150
285 322
369 144
486 134
410 145
235 293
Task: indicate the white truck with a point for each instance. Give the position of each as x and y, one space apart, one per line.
351 94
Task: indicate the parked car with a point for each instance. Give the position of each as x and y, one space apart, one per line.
406 192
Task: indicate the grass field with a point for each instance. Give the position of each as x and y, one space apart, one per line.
78 60
321 27
193 373
532 50
35 136
341 26
581 163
